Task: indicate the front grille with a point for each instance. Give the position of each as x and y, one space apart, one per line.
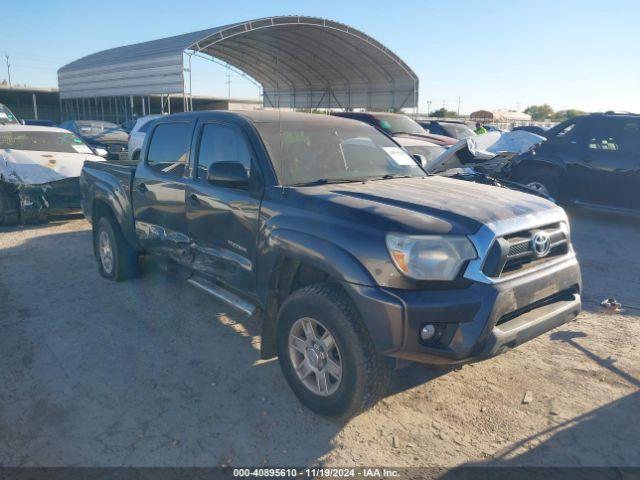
514 252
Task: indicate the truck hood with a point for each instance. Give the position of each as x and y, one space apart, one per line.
38 167
434 204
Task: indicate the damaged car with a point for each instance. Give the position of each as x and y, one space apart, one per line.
39 172
480 159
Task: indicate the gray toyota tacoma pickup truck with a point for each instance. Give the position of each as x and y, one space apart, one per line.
354 258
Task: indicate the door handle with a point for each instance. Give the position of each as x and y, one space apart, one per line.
588 159
142 188
193 199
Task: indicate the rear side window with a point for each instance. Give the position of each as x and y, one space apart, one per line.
614 135
222 143
168 150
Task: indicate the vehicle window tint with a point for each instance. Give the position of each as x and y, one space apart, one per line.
566 131
614 136
169 147
222 143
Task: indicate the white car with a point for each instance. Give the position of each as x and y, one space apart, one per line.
416 146
137 134
39 171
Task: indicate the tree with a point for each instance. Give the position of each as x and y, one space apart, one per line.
443 113
562 115
539 112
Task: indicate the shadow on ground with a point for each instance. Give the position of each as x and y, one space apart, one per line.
582 441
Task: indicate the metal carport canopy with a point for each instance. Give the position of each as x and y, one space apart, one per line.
301 62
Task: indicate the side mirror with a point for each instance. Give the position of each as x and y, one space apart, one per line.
22 122
420 159
228 174
101 152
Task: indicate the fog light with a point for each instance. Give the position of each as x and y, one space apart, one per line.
427 333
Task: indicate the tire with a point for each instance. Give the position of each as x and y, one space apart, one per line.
9 210
544 181
117 260
364 374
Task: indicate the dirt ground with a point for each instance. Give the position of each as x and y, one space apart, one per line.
152 372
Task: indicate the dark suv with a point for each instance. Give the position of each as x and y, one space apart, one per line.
591 160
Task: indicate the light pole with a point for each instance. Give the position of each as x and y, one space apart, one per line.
428 108
6 56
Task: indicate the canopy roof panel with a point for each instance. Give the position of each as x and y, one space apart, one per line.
302 62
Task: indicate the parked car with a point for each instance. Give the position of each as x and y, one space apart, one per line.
457 130
493 128
531 128
101 135
40 122
137 134
590 160
396 125
7 117
39 172
128 125
423 151
354 259
483 158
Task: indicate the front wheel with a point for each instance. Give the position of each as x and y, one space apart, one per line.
326 354
542 181
117 259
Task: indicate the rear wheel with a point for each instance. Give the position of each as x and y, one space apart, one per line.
326 354
9 210
117 259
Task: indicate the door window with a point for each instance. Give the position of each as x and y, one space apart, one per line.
614 135
222 143
169 148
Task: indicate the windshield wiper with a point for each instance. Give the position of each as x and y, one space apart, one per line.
392 175
325 181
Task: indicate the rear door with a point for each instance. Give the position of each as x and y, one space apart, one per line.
158 192
223 221
611 161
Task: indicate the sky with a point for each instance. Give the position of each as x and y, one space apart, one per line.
490 54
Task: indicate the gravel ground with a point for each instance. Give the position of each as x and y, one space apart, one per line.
152 372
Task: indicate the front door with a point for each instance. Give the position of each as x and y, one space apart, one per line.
223 221
158 190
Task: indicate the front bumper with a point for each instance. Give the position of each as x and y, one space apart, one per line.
474 323
48 198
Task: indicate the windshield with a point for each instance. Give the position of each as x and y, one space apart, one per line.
323 152
6 117
396 124
429 152
457 130
95 128
43 141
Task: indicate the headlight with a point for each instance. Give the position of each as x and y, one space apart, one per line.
430 257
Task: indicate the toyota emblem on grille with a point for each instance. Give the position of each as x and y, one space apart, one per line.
540 244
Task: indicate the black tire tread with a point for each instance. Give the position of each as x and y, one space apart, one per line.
127 266
377 368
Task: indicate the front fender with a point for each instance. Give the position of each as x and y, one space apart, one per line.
322 254
530 161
